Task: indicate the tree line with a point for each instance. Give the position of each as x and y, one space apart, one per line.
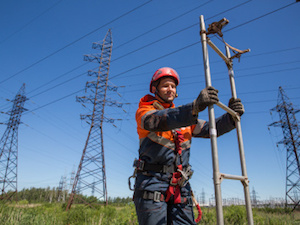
56 195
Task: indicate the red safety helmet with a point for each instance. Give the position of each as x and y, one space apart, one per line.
164 72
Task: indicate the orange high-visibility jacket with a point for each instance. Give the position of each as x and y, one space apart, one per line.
154 127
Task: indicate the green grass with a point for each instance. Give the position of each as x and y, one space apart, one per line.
55 214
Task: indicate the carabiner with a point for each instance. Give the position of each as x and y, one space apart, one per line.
129 182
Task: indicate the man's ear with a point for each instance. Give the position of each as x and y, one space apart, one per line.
153 88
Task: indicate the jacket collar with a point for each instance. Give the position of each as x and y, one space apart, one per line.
149 100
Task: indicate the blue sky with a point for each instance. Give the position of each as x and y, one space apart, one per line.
42 44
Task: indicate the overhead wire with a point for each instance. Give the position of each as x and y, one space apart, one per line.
173 52
260 17
31 21
176 32
51 81
265 53
252 20
197 42
57 100
152 42
249 68
138 49
237 77
161 25
73 42
121 45
36 109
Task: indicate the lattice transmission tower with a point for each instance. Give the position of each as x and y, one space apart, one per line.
62 189
91 170
9 147
291 141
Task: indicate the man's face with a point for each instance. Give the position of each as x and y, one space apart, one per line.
167 89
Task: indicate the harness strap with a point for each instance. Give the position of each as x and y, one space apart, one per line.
174 187
158 196
157 168
155 196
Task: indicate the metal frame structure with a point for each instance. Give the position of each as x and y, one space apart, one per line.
291 141
217 176
91 172
9 148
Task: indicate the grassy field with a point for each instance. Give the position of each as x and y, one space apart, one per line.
55 214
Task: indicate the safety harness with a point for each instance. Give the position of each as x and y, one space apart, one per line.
180 175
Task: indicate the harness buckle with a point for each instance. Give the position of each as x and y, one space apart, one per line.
157 196
139 164
189 201
186 174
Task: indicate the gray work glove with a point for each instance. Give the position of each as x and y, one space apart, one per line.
207 96
236 105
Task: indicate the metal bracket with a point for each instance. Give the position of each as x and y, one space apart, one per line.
216 27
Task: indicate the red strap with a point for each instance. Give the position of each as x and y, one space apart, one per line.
175 191
174 188
178 139
199 213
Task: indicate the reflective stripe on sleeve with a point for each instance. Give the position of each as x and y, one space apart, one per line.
199 126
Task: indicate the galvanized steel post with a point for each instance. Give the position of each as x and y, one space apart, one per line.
212 128
218 177
241 144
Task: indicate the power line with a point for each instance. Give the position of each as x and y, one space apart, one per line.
73 42
31 21
186 77
190 45
57 85
199 41
172 34
256 74
171 20
138 48
278 51
237 77
57 100
262 16
153 60
64 74
135 39
162 39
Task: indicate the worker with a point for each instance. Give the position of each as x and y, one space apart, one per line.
162 193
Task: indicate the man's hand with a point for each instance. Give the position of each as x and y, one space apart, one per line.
207 96
236 105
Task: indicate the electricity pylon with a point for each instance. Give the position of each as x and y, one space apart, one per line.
254 197
62 189
9 147
291 141
91 170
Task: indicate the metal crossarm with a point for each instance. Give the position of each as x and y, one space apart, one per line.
217 176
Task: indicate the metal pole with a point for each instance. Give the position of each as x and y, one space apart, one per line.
212 128
240 143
